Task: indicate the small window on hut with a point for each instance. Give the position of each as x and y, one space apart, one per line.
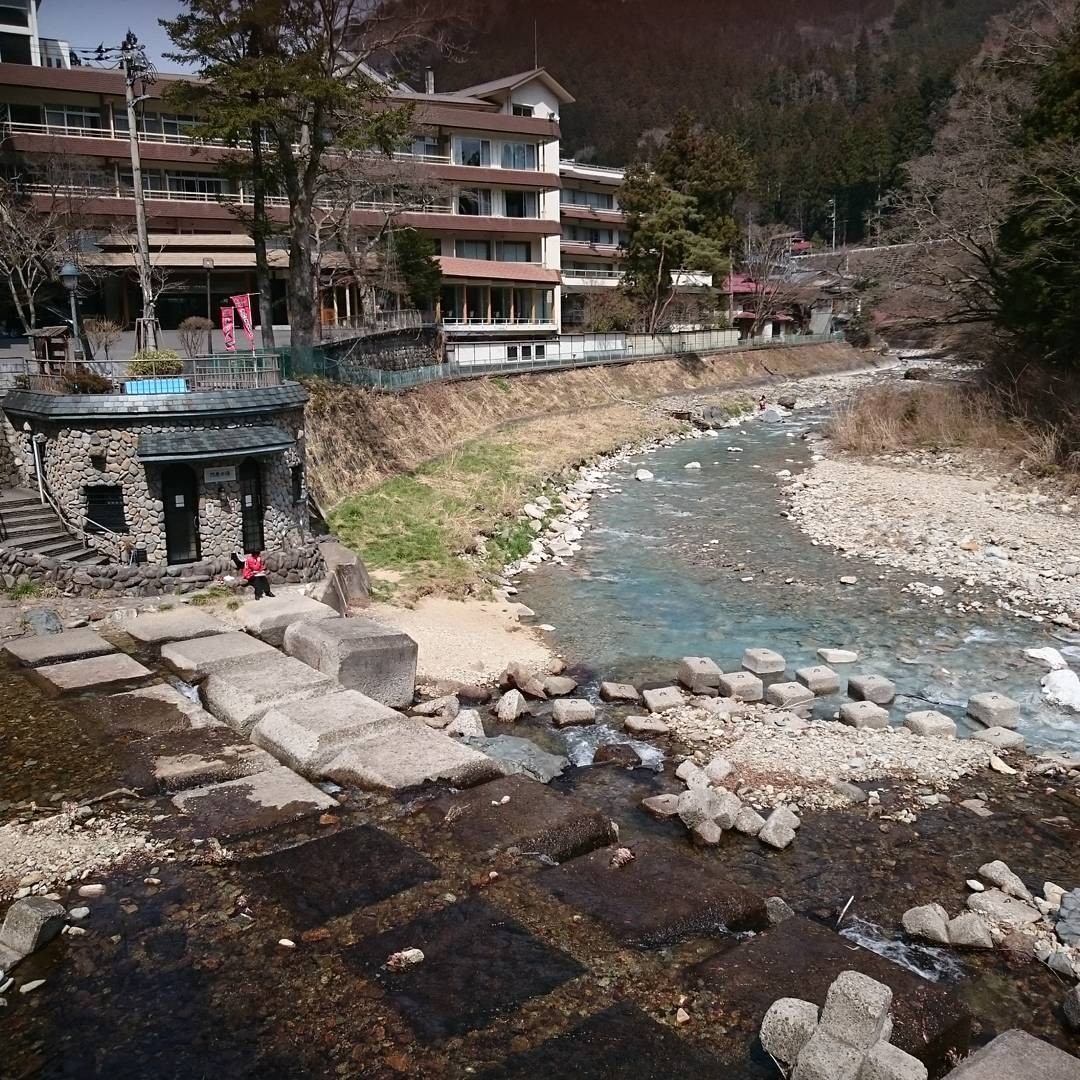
105 509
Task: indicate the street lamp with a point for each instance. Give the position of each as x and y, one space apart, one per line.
208 265
69 276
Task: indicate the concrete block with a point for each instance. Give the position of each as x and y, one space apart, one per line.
175 772
887 1062
154 710
243 694
511 705
622 693
1015 1054
178 624
409 754
787 1027
663 699
196 658
994 710
819 678
741 685
778 830
825 1057
346 581
1001 738
38 649
749 822
789 695
361 654
698 673
646 725
763 662
857 1010
863 714
114 671
838 656
568 711
871 687
270 617
306 734
930 724
29 924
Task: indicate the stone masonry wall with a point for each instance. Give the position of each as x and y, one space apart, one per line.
401 350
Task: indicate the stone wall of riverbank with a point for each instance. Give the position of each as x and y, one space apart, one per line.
358 437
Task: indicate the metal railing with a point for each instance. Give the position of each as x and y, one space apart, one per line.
226 371
479 322
382 323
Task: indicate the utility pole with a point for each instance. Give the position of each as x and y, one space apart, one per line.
832 207
137 68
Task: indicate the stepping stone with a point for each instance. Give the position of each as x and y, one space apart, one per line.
572 711
658 899
296 878
789 695
620 1043
242 695
114 671
621 693
863 714
994 710
742 685
663 699
521 756
479 965
646 725
801 959
252 804
361 654
154 710
38 649
871 687
1015 1054
820 679
174 772
406 755
838 656
270 617
534 818
306 734
763 662
1000 738
698 673
178 624
194 659
931 724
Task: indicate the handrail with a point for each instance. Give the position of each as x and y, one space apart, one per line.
82 533
222 371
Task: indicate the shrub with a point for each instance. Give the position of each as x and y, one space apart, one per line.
78 379
155 364
192 334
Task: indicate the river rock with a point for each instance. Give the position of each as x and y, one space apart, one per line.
718 769
871 687
884 1061
1071 1007
763 662
698 673
930 724
663 699
750 823
1009 912
646 725
999 874
1001 738
569 711
787 1027
466 725
708 804
777 831
619 693
662 806
511 705
524 679
43 621
559 685
929 922
968 930
1062 688
643 474
850 791
692 774
994 709
521 756
29 924
617 754
707 833
1048 657
446 707
1068 920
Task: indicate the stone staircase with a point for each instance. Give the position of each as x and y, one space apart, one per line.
30 526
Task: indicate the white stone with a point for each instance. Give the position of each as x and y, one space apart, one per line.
698 673
994 709
820 679
741 685
838 656
1050 658
787 1027
863 714
928 921
663 699
1062 688
643 474
511 705
763 662
999 874
930 724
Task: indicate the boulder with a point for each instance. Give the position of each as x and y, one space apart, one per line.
699 804
871 687
43 621
698 673
559 685
741 685
999 874
466 725
619 693
524 679
1014 1055
617 754
663 699
446 706
850 791
819 679
749 822
511 705
718 769
969 931
857 1010
361 654
1067 926
994 710
787 1028
930 922
30 923
777 831
522 756
777 910
692 774
570 711
763 662
662 806
1005 910
930 724
863 714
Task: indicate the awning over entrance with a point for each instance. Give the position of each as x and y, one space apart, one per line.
213 443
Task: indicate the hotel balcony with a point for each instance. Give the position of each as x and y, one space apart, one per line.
583 280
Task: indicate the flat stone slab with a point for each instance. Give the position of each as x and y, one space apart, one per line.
306 734
658 899
37 649
196 658
406 755
620 1043
801 959
619 693
297 878
242 695
1015 1054
252 804
533 818
154 710
361 654
114 671
270 617
480 964
177 624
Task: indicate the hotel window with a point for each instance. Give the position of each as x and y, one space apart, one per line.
475 202
523 204
473 152
11 15
167 124
598 200
188 183
522 110
513 251
473 249
517 155
67 117
427 146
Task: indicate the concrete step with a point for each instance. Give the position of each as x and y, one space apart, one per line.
57 546
23 514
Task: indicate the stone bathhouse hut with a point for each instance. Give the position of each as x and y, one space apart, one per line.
160 480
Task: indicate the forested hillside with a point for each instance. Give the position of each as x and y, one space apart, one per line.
828 97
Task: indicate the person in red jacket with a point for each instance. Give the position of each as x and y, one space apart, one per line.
254 572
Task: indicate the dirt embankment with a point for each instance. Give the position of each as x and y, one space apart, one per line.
358 437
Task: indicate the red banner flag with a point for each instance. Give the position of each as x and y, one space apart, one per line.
228 328
242 303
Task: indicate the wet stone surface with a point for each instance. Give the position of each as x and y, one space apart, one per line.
620 1043
658 898
479 963
306 883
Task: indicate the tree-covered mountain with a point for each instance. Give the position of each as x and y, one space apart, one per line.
828 97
